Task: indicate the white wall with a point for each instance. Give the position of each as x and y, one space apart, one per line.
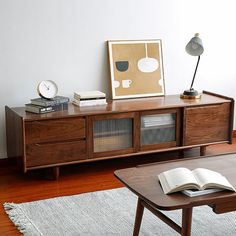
64 40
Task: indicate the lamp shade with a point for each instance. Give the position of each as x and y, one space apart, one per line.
194 46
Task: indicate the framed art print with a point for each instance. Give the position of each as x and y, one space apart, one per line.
136 68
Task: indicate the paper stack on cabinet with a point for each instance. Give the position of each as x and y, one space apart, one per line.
89 98
43 105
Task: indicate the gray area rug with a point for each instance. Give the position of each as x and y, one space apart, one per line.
110 212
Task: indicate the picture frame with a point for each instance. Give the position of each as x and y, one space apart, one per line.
136 68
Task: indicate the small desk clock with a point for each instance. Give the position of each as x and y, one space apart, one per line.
47 89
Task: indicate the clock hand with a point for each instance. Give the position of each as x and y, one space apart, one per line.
46 86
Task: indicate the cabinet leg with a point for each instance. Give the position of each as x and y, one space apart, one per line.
203 151
181 153
56 172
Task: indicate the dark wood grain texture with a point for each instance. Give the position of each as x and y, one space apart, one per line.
124 105
231 123
67 137
234 133
186 221
54 130
138 217
55 153
80 178
207 124
142 181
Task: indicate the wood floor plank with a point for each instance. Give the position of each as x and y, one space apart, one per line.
88 177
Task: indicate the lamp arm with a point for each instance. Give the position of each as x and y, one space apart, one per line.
191 87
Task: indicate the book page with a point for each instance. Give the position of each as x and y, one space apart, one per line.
211 179
177 179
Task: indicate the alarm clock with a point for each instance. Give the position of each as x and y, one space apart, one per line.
47 89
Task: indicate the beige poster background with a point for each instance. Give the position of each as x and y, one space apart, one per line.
137 82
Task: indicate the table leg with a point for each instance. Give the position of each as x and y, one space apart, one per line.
138 218
186 221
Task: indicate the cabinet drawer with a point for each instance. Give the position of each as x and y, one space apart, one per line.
206 124
55 153
54 130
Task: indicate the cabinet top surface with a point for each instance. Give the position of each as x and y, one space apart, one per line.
126 105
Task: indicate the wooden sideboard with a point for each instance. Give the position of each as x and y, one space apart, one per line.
121 128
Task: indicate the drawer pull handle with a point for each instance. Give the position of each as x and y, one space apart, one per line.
59 142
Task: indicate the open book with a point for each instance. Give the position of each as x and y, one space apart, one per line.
179 179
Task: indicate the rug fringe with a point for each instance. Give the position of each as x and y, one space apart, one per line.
19 219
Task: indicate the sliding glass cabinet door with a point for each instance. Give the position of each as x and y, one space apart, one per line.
159 129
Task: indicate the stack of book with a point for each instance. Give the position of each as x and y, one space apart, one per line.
42 105
89 98
158 120
203 181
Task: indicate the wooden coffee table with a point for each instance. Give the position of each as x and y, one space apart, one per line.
143 181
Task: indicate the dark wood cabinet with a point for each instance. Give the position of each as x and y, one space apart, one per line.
41 131
54 153
207 124
120 128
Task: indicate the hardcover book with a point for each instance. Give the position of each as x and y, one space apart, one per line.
181 178
195 192
50 102
40 109
91 102
89 95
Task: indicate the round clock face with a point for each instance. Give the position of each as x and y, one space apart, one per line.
47 89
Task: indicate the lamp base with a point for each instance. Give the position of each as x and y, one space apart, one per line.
190 94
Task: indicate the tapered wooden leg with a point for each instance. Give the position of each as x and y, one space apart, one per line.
181 153
56 172
186 221
203 151
138 218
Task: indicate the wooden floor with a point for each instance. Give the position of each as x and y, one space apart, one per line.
35 185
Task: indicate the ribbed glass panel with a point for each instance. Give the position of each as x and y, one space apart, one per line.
159 128
112 134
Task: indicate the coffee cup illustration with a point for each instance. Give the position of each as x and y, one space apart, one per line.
126 83
116 84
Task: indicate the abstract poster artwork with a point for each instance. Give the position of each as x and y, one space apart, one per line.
136 68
